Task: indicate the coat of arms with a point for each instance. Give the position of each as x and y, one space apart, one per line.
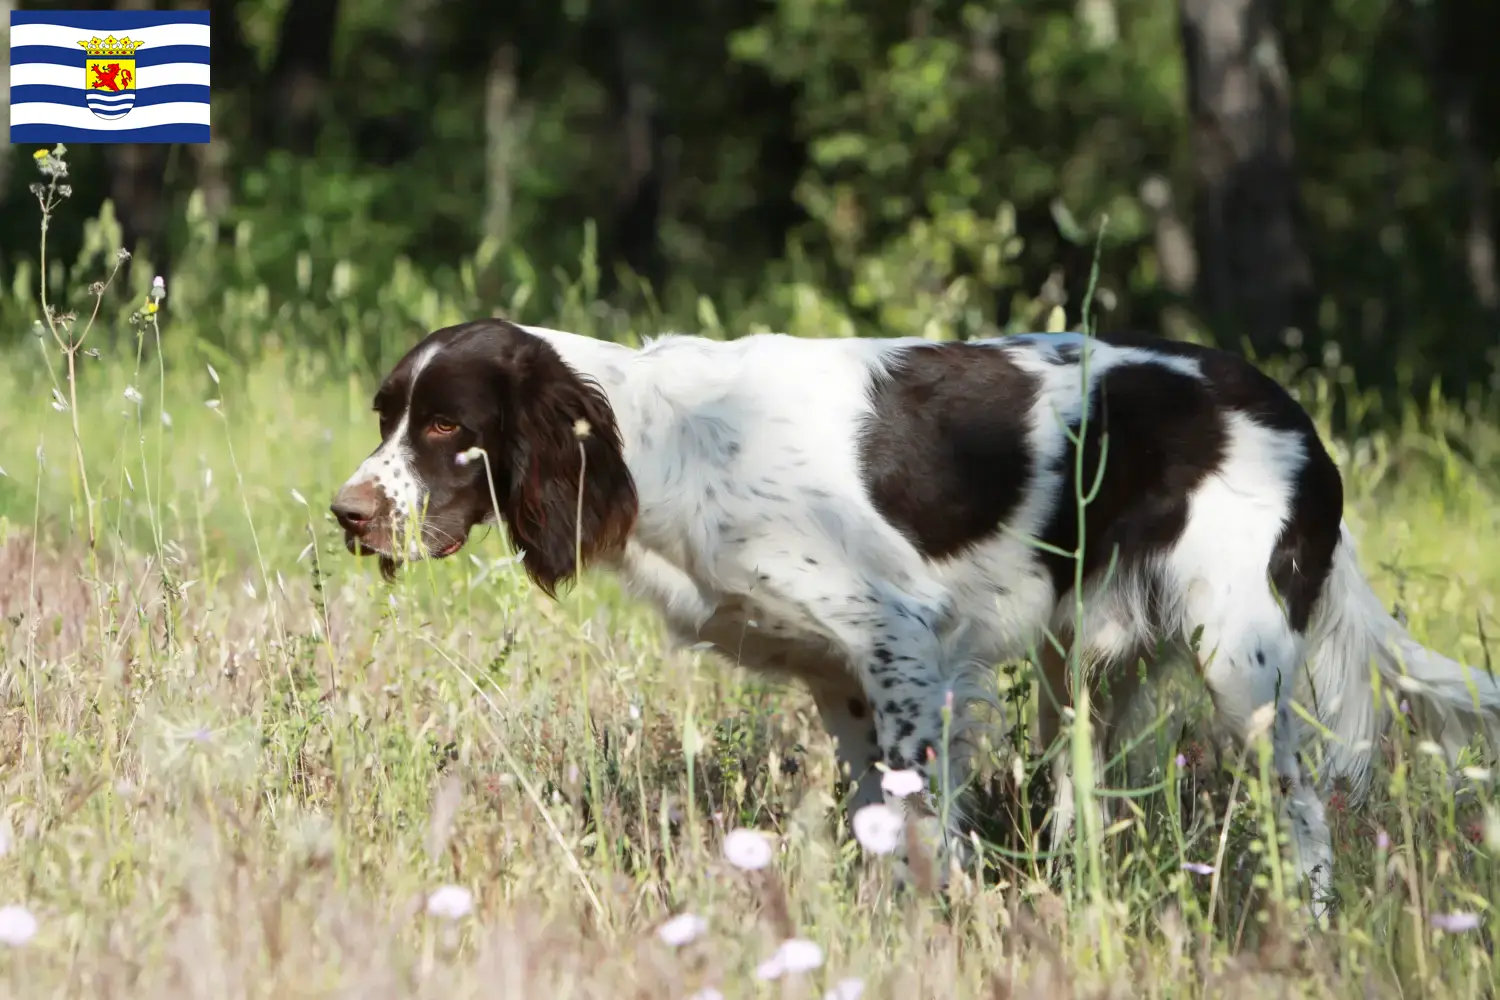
109 76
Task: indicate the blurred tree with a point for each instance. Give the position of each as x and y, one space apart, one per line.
938 167
295 89
963 154
1254 274
1456 44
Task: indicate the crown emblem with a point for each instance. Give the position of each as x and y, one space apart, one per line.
111 46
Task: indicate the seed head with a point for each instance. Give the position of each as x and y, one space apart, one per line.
902 783
749 850
17 925
795 955
846 989
878 827
1456 923
682 929
451 902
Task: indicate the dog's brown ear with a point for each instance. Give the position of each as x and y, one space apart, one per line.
557 430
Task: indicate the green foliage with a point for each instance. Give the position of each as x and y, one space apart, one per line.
227 731
937 168
931 129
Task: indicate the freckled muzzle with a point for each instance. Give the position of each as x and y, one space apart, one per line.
365 513
373 526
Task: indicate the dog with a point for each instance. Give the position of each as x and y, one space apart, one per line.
886 520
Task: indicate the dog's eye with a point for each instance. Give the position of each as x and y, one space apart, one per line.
442 428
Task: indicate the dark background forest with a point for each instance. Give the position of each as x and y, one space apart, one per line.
1314 179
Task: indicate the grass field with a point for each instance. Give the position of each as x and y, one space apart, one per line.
233 762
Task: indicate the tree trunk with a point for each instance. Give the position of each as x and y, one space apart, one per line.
500 140
500 133
1254 276
1448 38
233 61
642 178
137 181
300 74
1175 254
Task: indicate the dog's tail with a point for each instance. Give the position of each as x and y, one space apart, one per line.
1351 632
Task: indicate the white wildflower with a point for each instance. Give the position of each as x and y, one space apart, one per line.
801 955
877 827
134 395
747 849
795 955
1456 923
846 989
1491 828
902 783
682 929
17 925
451 902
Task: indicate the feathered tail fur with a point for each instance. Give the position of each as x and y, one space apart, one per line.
1351 633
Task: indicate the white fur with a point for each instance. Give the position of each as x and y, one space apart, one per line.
756 533
1349 633
389 467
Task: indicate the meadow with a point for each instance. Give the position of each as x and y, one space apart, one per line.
234 762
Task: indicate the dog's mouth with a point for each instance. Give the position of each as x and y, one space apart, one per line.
389 561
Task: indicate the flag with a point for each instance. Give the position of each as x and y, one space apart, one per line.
109 76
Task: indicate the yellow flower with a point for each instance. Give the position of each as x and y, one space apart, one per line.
40 154
149 308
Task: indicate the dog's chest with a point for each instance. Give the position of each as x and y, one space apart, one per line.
750 632
756 637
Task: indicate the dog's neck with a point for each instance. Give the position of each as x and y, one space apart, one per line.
664 397
649 389
600 360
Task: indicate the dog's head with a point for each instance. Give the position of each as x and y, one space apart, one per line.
482 422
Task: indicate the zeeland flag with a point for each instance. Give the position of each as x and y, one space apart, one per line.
108 76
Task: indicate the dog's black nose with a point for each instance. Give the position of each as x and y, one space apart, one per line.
356 507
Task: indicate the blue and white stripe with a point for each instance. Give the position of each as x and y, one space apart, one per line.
109 106
49 102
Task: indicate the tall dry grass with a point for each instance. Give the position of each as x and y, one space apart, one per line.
235 763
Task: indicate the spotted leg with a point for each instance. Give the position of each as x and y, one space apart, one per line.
1115 686
888 635
847 716
1249 657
